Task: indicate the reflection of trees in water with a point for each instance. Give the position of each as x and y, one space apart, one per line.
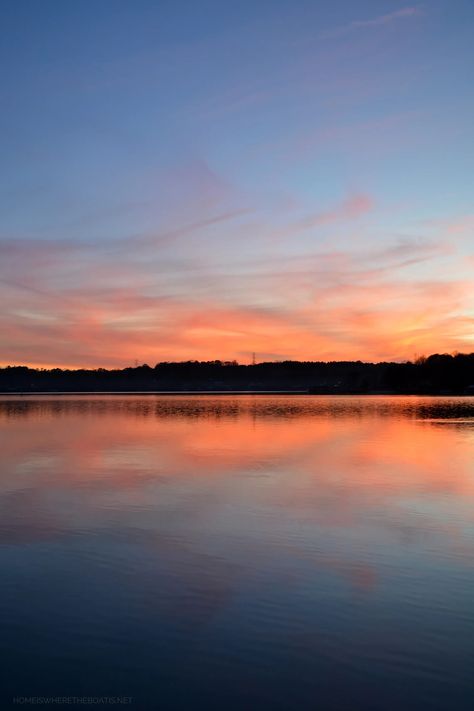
233 407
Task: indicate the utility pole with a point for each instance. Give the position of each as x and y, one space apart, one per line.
253 358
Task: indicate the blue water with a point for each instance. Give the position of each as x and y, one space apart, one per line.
238 552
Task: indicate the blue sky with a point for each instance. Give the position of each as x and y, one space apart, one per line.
211 179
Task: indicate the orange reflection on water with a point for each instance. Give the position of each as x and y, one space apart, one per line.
382 449
316 480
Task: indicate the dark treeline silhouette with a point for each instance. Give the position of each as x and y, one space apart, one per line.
437 374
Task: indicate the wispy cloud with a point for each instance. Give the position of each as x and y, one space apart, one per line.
402 14
204 285
352 207
353 302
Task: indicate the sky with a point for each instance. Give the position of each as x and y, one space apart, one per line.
201 180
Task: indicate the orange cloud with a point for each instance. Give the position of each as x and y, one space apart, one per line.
76 304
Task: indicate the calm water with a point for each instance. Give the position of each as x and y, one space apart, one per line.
239 552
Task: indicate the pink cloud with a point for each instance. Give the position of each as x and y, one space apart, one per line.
108 305
350 208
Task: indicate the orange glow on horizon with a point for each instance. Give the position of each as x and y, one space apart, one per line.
338 332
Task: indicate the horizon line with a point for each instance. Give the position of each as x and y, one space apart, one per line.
228 363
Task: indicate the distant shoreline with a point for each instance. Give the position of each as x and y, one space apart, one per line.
25 393
438 374
186 393
160 392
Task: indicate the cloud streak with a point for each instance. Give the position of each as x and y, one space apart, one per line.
347 303
205 286
380 21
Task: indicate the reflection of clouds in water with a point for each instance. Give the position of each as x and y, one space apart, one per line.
25 517
255 482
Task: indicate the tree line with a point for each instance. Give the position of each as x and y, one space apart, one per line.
435 374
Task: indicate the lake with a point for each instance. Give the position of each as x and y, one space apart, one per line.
238 552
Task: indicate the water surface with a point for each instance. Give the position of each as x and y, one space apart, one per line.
245 552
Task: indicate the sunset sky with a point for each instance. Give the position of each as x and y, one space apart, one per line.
201 180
